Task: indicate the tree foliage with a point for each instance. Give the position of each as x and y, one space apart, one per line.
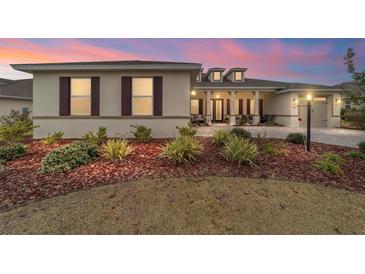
356 91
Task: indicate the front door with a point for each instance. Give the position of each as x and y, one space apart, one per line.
217 107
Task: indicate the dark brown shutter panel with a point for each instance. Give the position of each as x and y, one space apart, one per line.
228 106
95 96
157 96
261 107
248 104
240 106
65 96
126 96
201 106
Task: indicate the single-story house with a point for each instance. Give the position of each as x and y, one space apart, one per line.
15 95
81 96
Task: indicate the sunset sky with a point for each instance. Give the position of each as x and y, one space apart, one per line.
294 60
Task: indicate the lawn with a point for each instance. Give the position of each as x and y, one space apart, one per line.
207 205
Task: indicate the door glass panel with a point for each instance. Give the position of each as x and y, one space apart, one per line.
218 110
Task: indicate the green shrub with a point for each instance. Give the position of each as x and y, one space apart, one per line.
95 139
240 133
330 163
220 137
356 155
15 127
142 133
240 150
52 138
274 150
68 157
116 149
362 146
296 138
12 152
189 130
184 149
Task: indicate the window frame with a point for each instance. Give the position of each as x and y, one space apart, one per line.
235 78
80 96
142 96
220 76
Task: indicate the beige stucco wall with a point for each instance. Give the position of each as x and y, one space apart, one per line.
7 104
75 128
176 103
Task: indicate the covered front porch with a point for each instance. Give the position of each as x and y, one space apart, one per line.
243 107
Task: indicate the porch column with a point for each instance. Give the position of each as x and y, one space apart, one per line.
209 110
256 119
232 115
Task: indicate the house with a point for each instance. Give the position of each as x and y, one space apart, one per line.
81 96
15 95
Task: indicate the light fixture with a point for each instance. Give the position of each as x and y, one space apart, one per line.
338 101
217 96
295 101
193 92
309 97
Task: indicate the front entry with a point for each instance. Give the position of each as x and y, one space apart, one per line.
217 108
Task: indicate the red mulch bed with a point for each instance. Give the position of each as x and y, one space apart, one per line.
22 182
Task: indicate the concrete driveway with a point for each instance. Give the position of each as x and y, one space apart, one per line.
334 136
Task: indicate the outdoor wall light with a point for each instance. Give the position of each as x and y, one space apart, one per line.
309 97
193 92
338 101
217 96
295 101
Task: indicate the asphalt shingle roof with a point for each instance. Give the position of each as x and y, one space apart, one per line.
18 88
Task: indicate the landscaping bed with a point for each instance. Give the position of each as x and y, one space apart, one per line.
22 181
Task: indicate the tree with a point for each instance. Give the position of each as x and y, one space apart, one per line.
356 91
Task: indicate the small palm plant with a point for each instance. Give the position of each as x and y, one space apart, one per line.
184 149
240 150
116 149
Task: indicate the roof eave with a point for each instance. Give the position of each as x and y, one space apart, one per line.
30 68
310 89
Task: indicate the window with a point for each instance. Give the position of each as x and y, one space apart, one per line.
198 78
216 76
142 96
194 106
236 107
80 96
238 76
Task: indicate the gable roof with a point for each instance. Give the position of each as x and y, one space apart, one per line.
17 89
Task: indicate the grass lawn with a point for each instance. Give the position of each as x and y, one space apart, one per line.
213 205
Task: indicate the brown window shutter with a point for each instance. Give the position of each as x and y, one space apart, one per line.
65 96
126 96
261 107
248 106
228 106
201 106
157 96
240 106
95 96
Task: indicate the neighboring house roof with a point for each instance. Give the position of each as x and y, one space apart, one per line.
309 87
109 65
18 89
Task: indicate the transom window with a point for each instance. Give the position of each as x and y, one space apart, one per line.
194 106
238 76
142 96
216 75
80 96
